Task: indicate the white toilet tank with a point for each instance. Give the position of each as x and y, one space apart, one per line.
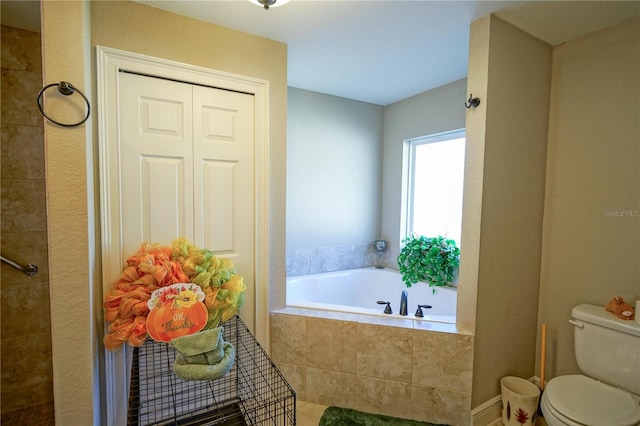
607 348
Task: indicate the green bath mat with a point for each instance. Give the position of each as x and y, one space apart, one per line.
336 416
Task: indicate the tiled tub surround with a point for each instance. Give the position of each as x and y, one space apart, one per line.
398 367
315 260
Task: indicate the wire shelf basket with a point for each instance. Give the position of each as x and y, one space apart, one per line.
253 393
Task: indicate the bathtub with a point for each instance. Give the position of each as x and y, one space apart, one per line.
358 291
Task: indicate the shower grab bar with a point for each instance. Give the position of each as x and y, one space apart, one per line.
29 269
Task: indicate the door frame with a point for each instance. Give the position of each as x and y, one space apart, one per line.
109 62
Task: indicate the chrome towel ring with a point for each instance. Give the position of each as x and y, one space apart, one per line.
66 89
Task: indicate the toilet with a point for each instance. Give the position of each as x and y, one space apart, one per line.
608 392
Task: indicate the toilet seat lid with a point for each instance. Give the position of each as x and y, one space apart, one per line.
592 403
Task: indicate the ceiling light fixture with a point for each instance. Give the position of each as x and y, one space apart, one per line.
269 3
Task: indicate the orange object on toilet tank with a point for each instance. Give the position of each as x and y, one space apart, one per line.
620 308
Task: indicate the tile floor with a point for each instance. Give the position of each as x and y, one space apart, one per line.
309 414
539 422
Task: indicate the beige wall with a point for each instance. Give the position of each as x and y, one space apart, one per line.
27 378
474 168
70 30
588 243
514 70
435 111
591 240
371 189
141 29
334 151
71 268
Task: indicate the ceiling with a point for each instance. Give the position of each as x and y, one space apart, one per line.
380 51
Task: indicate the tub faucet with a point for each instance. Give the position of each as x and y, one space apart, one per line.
387 309
403 303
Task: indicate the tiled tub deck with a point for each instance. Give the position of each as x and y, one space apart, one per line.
412 369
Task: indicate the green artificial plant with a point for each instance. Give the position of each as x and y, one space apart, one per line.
433 260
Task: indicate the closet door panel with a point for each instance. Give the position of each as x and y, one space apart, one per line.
162 204
224 181
156 157
224 166
219 180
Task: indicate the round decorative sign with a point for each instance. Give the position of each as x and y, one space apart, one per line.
176 310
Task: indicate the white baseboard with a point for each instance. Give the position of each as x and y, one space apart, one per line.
490 411
487 413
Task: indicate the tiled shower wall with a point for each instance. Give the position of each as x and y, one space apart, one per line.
25 316
328 259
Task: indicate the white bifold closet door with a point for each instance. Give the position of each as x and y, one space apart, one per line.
187 158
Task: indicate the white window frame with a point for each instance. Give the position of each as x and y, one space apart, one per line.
409 159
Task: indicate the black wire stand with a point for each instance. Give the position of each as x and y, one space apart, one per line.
253 393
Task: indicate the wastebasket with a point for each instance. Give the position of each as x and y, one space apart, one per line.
519 401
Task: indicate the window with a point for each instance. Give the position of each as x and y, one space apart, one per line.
435 178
